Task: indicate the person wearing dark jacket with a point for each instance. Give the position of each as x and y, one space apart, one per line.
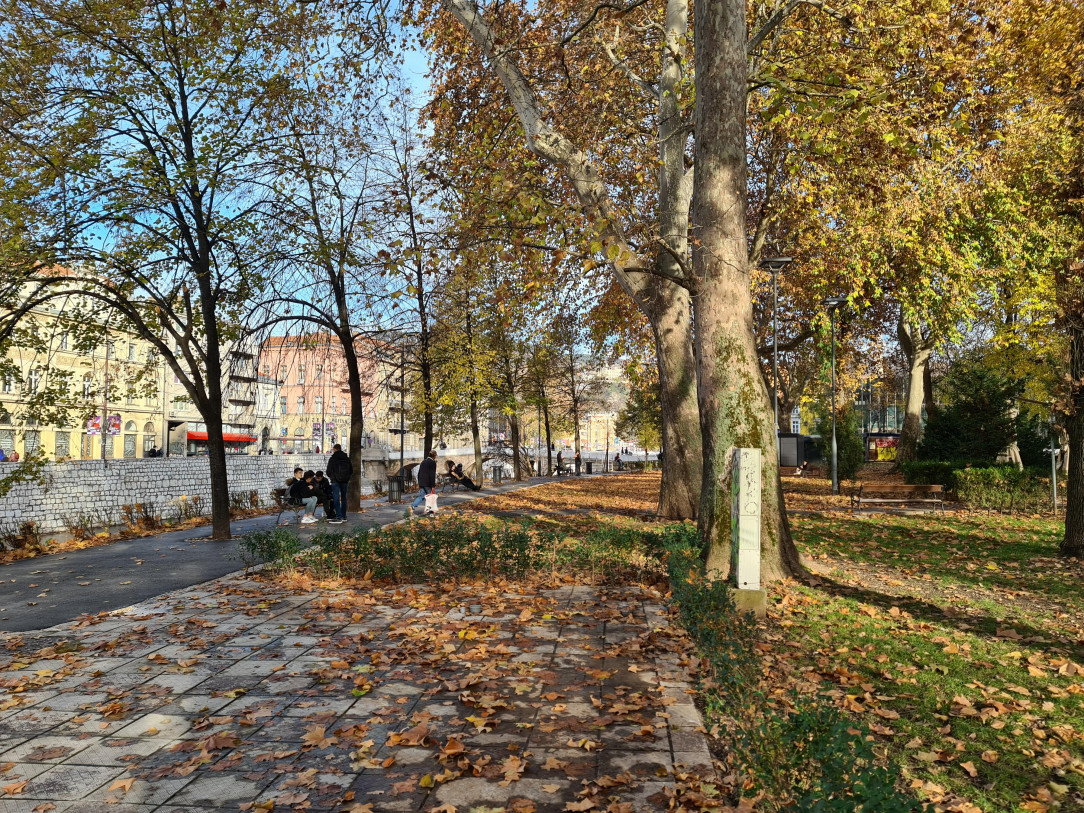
322 487
427 478
304 492
339 472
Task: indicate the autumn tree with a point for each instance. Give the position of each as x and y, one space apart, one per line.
162 112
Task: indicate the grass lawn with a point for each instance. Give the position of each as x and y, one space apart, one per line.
957 639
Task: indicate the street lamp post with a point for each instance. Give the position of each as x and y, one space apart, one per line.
775 265
834 302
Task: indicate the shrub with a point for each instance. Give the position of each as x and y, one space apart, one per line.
278 547
933 472
975 421
850 451
24 536
1004 488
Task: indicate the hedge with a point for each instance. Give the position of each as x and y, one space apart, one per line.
998 488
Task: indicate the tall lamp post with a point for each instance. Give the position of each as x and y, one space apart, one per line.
775 265
833 302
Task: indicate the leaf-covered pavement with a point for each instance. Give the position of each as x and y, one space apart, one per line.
237 695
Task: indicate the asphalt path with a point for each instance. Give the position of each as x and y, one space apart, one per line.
48 590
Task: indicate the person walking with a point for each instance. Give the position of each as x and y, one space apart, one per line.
427 479
339 472
576 461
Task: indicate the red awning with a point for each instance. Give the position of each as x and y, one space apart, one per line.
226 436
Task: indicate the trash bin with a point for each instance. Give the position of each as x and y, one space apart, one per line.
496 473
395 488
588 464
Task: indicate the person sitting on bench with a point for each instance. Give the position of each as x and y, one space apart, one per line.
455 471
304 492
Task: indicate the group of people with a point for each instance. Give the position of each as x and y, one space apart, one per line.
312 489
427 478
11 458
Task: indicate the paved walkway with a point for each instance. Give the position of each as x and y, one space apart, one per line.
49 590
240 695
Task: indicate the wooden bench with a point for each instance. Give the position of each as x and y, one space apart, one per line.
898 494
285 504
446 480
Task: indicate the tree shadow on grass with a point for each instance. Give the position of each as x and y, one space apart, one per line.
964 619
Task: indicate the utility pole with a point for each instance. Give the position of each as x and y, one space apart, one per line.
105 396
834 302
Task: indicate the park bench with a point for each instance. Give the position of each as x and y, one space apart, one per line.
446 480
564 468
897 494
284 504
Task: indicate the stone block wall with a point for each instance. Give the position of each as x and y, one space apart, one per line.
99 488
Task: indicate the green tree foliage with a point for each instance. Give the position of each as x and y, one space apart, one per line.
641 417
974 419
850 451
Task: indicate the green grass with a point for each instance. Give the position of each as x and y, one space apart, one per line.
935 630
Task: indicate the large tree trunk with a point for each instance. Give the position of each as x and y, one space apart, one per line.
735 410
216 458
476 435
1071 296
682 464
357 426
549 436
517 453
918 350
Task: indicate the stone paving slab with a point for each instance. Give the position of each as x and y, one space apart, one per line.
239 694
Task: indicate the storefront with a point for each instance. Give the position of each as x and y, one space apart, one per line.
236 443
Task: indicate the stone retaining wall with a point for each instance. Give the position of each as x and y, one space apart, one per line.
99 488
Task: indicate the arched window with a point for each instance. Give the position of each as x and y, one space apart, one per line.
130 426
148 428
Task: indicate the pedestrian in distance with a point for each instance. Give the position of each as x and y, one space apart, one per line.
304 492
427 479
339 472
576 462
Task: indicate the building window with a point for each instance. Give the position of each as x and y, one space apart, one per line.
34 380
282 404
9 383
131 352
65 341
319 403
319 372
301 405
796 421
63 444
107 445
7 441
267 370
301 374
282 373
88 386
332 404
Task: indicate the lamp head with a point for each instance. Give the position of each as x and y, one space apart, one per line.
834 302
777 264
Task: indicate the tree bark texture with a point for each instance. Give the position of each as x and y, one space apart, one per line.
735 410
357 425
1071 310
918 349
682 463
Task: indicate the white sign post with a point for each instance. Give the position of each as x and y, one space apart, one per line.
745 495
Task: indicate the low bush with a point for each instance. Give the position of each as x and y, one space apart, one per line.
809 758
998 488
277 547
410 552
1004 488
